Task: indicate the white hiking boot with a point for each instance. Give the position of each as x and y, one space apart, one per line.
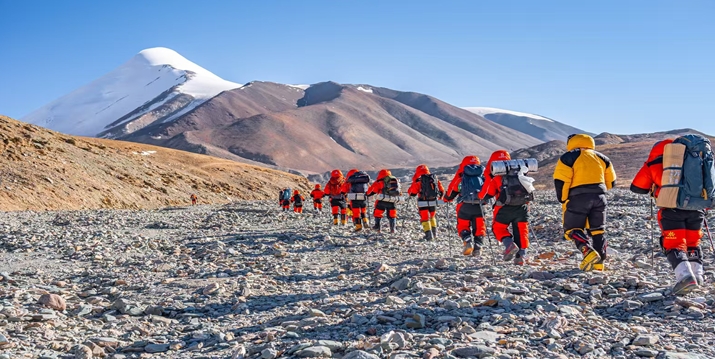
699 272
685 280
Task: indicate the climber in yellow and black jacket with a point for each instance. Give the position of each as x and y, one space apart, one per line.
582 177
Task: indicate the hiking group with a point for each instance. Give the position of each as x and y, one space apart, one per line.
679 174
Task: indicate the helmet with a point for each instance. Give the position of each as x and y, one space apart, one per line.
351 172
317 186
421 170
468 160
296 192
383 173
336 174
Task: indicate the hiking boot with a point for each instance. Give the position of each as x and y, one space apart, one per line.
393 225
685 280
511 249
519 261
335 221
434 232
366 222
477 252
599 267
343 222
358 227
698 271
468 248
590 257
428 236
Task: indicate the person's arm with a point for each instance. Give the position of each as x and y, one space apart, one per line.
563 175
643 181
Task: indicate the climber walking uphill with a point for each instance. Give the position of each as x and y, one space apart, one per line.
334 191
504 182
582 177
387 189
194 199
355 187
682 201
428 189
297 201
467 183
317 195
284 197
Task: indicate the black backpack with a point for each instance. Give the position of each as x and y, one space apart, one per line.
428 187
513 193
359 182
285 195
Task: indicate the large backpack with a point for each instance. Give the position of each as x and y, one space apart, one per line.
285 195
391 187
472 183
513 192
428 187
333 189
697 181
359 182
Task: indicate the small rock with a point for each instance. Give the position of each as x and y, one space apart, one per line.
316 313
651 297
315 352
53 301
82 352
478 351
211 289
645 340
646 353
156 348
359 354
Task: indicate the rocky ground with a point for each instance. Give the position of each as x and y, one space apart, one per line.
244 280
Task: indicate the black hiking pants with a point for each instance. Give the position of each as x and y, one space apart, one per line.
587 212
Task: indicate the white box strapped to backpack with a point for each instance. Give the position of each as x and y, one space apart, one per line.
427 203
391 199
357 196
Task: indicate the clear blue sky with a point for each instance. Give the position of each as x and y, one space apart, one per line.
616 66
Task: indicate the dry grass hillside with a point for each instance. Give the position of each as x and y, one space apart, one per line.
44 170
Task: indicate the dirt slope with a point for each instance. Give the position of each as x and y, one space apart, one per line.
330 125
42 169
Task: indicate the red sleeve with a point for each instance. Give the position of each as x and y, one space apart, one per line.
440 187
414 188
643 180
375 188
453 187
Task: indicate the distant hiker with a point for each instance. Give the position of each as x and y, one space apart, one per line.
317 195
428 189
194 199
297 201
387 189
681 220
582 177
356 186
284 197
467 183
334 191
511 207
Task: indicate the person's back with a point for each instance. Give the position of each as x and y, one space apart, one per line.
581 178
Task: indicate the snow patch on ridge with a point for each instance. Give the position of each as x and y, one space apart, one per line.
364 89
481 111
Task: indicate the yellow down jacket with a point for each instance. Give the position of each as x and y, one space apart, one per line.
582 169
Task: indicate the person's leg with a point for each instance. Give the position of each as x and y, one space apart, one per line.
574 223
674 224
426 222
693 234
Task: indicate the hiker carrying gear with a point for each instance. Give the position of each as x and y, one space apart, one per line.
428 189
194 199
317 195
510 208
355 187
681 229
284 197
467 183
384 187
297 201
582 177
334 191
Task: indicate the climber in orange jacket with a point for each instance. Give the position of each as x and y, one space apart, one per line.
317 195
387 189
355 189
681 229
297 201
428 189
516 214
334 191
194 199
467 183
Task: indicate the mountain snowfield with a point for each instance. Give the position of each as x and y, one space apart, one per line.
483 111
157 84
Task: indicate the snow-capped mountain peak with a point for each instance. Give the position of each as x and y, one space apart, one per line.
481 111
156 85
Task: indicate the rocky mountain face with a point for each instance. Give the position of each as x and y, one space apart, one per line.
43 169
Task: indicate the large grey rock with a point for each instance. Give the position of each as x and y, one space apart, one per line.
317 351
359 354
478 351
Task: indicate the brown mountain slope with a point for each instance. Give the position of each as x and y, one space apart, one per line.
626 152
42 170
332 126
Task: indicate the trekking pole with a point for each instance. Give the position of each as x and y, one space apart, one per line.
652 240
489 235
710 236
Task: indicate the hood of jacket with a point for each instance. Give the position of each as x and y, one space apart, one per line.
580 141
469 160
657 150
501 155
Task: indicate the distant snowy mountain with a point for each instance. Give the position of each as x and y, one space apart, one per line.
157 85
537 126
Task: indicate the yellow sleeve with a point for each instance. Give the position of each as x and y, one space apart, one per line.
610 176
563 176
